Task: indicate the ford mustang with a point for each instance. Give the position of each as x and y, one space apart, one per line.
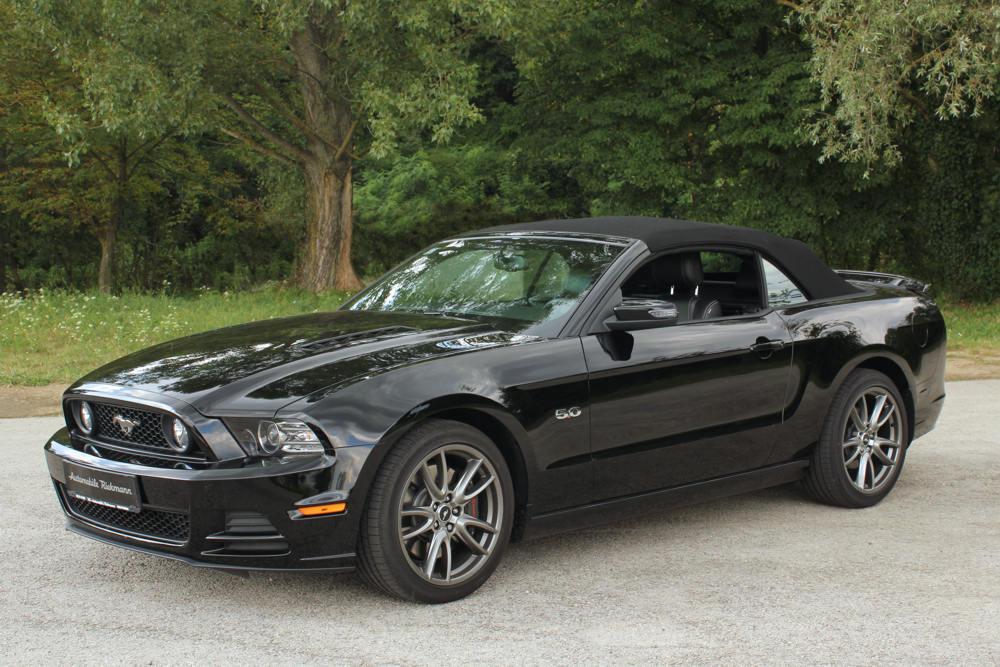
509 382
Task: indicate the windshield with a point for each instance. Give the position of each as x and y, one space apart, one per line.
528 280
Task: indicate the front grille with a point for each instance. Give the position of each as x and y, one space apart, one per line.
136 459
144 443
173 526
147 430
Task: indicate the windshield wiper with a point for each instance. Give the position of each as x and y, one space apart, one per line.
442 313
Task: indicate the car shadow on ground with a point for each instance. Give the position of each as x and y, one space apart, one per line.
524 564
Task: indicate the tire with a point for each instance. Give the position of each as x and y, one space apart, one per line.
835 468
416 515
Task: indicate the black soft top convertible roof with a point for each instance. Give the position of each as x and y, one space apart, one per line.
659 234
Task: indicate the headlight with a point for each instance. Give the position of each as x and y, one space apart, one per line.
85 417
267 438
180 437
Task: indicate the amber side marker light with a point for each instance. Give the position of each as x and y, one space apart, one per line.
319 510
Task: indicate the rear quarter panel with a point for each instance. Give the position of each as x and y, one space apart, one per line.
832 338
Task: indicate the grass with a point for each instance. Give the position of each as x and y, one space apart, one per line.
56 337
973 327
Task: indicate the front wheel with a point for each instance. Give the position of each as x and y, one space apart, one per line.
863 443
439 515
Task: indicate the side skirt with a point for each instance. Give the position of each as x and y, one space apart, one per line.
677 496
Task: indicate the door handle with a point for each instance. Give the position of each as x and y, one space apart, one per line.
765 347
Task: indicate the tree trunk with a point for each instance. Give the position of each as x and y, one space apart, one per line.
105 274
3 262
107 234
325 261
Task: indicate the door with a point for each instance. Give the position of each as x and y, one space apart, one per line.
690 402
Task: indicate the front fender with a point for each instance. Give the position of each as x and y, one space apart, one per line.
472 403
518 387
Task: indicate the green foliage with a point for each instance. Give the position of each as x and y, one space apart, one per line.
880 64
722 110
697 111
293 80
946 200
420 198
399 66
112 89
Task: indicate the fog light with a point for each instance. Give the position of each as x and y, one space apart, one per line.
85 417
180 434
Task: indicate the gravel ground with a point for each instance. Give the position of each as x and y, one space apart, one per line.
764 578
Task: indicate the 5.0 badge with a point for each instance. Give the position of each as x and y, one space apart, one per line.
568 413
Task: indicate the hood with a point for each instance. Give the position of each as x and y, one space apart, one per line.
259 367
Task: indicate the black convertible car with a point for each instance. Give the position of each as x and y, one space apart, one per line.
513 381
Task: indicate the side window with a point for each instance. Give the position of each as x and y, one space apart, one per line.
702 284
781 291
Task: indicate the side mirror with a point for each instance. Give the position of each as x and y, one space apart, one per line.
635 314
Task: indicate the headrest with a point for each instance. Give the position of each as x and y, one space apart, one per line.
680 270
746 279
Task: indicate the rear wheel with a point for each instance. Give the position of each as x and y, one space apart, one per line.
863 444
439 516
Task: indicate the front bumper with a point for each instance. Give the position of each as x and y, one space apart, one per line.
236 518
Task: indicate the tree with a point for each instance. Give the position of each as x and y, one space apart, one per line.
314 84
657 109
80 148
881 64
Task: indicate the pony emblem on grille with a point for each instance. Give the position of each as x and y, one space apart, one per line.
125 424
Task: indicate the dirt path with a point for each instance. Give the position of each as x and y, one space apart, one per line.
44 401
30 401
964 365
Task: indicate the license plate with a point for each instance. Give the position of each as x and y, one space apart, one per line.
103 487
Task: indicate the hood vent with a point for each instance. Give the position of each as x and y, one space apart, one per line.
344 340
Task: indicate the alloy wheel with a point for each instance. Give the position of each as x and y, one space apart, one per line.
872 440
450 514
